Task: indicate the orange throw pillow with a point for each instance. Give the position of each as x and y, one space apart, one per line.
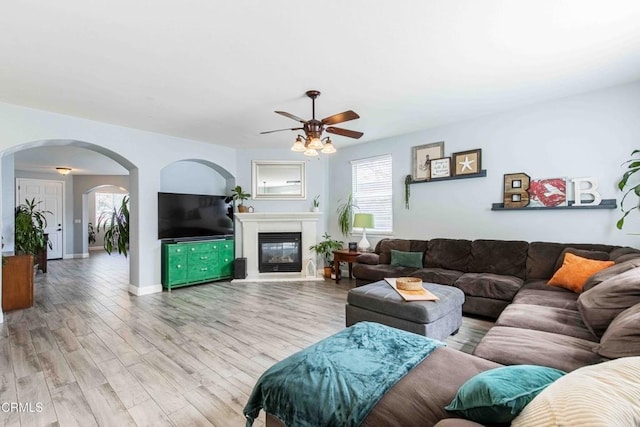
575 271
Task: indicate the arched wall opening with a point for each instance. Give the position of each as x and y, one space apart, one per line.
74 201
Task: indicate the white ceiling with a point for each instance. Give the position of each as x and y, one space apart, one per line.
215 70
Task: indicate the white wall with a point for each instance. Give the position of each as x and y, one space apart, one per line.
315 178
144 154
588 135
192 178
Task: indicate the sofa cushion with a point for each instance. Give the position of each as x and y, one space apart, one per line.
489 285
420 397
603 395
387 244
548 298
548 319
601 304
514 346
595 255
498 395
575 271
504 257
406 259
369 258
450 254
617 254
614 270
622 337
542 256
373 273
437 275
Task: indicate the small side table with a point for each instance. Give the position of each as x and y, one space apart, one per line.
344 255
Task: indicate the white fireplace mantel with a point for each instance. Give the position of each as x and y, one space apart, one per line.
248 225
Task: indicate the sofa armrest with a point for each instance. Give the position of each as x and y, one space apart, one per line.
368 258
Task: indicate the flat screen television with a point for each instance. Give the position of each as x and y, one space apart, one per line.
193 216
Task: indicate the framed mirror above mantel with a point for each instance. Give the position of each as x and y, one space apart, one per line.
278 180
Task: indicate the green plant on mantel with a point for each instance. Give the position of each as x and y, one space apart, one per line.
633 166
240 196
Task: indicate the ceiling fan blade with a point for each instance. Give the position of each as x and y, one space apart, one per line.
340 118
279 130
345 132
291 116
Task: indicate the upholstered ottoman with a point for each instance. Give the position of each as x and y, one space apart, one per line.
379 302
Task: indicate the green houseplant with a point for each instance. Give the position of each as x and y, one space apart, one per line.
325 249
633 166
18 270
240 195
115 225
30 223
91 233
345 215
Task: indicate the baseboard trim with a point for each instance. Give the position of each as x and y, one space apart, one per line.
144 290
75 256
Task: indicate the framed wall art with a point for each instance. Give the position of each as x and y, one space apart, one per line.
422 156
441 168
467 162
548 192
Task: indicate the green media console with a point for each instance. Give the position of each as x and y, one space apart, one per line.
188 263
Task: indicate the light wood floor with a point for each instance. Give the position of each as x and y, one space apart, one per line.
88 353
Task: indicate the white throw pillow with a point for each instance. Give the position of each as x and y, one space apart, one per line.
606 394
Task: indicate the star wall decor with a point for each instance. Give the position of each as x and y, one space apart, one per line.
467 162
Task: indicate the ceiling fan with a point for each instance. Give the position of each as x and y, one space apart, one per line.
313 141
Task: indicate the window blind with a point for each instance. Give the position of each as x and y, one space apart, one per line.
372 190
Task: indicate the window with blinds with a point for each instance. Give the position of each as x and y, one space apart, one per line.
372 190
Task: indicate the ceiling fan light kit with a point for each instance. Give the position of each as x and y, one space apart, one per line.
313 129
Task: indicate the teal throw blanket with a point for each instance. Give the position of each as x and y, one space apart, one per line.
337 381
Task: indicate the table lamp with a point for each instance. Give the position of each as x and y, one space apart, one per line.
364 221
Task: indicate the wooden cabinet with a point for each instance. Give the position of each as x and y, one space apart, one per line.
188 263
17 282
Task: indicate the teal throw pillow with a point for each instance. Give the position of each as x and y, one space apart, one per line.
406 259
498 395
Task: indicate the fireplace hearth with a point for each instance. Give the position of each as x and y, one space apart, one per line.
279 252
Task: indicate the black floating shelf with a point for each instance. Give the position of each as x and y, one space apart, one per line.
480 174
604 204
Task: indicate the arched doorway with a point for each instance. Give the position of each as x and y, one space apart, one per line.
75 214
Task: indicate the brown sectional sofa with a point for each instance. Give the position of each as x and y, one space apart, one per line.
507 280
535 323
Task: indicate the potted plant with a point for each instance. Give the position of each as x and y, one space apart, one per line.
18 271
91 234
633 167
325 248
316 204
115 225
345 215
30 223
239 194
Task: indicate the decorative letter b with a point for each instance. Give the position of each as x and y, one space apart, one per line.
515 190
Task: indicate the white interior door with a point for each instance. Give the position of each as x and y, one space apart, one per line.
51 195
